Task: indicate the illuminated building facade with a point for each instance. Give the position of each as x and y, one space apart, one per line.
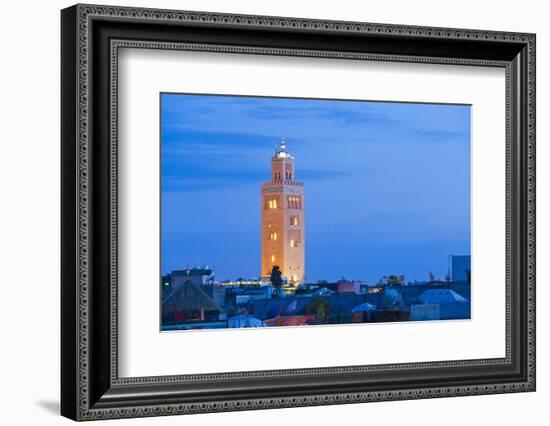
283 238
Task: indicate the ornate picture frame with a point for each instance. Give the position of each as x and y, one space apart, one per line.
91 37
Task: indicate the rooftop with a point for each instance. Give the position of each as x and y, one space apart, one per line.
441 296
193 272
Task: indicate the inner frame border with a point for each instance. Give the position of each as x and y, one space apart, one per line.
117 44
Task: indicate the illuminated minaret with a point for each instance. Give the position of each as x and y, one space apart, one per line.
283 239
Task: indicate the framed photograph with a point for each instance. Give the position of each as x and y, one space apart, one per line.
265 212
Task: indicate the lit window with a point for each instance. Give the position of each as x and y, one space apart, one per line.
273 203
275 236
273 258
292 202
294 220
292 243
295 202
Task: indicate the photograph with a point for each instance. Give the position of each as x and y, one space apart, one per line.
279 211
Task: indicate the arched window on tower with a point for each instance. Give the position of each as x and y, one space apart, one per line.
270 203
294 202
294 238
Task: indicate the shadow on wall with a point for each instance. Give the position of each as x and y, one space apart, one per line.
50 406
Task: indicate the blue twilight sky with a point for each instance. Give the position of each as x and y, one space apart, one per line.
387 185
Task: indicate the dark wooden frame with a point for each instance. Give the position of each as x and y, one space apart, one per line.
90 386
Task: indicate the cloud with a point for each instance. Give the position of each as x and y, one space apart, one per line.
182 139
210 179
341 112
439 135
268 116
319 174
207 176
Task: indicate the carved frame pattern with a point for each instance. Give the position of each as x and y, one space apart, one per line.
85 13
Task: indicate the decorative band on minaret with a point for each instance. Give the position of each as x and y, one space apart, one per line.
283 238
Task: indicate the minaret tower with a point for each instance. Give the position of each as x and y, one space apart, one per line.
283 238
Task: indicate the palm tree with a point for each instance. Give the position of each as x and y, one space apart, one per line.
320 307
395 280
276 280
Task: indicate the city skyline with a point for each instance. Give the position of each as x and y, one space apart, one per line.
388 184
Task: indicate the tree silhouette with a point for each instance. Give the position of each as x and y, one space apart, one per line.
320 307
395 280
392 280
276 280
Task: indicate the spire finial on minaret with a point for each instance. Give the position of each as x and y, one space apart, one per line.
281 151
